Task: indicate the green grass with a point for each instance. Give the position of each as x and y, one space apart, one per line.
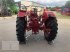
60 16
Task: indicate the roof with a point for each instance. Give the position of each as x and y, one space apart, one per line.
40 5
35 4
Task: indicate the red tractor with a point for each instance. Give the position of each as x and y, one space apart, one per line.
47 22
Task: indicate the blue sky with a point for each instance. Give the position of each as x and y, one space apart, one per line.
50 2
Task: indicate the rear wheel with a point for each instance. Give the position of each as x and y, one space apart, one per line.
21 29
51 22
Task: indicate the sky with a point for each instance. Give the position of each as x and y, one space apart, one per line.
50 2
45 0
17 0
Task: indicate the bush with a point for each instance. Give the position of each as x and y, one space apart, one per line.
14 9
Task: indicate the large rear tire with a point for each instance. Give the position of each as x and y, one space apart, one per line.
52 23
21 29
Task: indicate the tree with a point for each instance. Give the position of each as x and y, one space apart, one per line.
6 5
12 6
67 4
4 10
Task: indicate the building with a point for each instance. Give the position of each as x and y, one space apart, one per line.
65 11
58 9
32 4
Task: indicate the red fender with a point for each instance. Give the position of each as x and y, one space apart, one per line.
51 13
21 13
46 14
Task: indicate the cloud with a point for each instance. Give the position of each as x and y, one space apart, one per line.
17 0
45 1
53 4
49 2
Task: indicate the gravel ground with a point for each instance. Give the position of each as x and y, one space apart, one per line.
36 43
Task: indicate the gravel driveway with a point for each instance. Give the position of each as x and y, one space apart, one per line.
36 43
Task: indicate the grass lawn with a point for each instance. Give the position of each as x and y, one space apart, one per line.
59 16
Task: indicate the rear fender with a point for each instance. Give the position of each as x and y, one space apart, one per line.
21 13
51 14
